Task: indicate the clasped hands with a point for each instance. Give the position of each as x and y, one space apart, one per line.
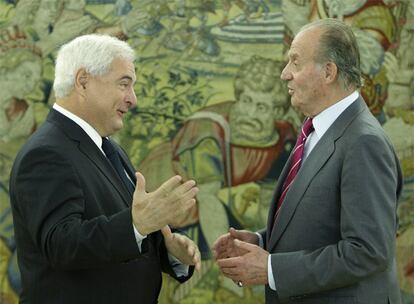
165 207
240 258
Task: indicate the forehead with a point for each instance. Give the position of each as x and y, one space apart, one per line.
121 67
305 43
258 97
49 4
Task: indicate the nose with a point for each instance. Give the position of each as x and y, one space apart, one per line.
286 75
131 99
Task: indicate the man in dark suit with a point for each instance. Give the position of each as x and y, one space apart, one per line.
331 229
84 233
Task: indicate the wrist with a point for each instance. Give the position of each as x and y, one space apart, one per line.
140 226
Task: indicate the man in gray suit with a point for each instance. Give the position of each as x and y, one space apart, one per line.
331 229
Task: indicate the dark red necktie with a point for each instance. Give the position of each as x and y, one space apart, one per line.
296 160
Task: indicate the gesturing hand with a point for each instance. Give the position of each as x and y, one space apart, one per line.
224 246
249 268
154 210
180 246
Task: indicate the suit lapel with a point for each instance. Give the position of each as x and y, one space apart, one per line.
318 157
314 162
90 150
275 197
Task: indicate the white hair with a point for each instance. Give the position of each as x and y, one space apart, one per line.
93 52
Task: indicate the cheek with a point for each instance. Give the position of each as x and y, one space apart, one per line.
266 119
237 110
307 86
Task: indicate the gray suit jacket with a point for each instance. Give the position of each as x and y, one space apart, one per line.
334 239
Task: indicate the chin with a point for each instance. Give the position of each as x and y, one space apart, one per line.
120 124
117 127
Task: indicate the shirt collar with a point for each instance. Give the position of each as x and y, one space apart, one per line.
326 118
92 133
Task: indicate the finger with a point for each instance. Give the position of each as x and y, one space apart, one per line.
246 246
187 244
221 253
242 235
197 260
140 184
185 206
180 203
221 241
219 248
191 249
185 187
179 210
198 266
166 232
185 196
168 186
229 262
236 278
237 234
232 271
216 254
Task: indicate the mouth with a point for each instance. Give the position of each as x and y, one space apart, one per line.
249 125
121 112
290 91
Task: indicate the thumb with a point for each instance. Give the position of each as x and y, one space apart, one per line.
237 234
140 185
166 232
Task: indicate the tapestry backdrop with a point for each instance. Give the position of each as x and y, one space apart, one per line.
211 106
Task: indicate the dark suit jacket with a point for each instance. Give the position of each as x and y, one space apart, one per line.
334 238
73 223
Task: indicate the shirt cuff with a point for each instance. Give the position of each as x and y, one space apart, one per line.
261 244
270 277
180 269
138 237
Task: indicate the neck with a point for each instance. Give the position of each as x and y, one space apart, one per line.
333 97
68 104
75 106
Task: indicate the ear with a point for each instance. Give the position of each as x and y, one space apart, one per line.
81 80
331 72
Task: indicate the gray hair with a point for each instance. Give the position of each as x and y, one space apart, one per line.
338 44
94 53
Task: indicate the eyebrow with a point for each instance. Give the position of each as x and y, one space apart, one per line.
293 55
126 77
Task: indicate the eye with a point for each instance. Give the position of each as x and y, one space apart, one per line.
246 100
262 108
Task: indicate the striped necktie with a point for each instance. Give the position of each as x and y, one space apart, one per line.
296 160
